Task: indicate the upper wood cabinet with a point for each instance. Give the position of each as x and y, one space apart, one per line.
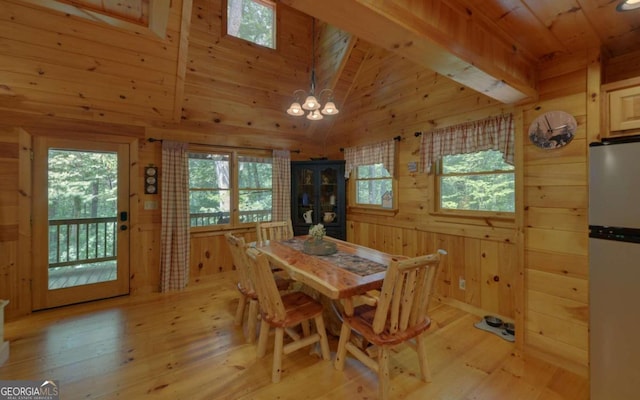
621 108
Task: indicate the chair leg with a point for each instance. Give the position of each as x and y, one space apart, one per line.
383 373
306 330
341 353
252 320
277 355
240 310
324 342
262 340
421 349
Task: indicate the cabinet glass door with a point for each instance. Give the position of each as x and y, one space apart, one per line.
305 197
328 197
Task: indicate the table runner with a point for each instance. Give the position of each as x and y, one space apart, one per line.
350 262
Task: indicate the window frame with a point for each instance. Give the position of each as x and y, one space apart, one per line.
439 210
352 204
276 21
234 186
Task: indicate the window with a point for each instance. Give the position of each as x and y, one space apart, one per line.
255 194
252 20
373 182
214 193
479 181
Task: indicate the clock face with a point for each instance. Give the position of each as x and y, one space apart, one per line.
150 171
151 180
151 189
552 129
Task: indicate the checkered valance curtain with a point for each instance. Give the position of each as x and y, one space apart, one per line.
377 153
174 236
281 185
493 133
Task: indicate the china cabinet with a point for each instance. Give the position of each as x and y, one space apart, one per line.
318 196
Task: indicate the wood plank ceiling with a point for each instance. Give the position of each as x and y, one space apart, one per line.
491 46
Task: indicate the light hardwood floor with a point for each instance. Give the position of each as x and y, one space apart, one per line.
184 346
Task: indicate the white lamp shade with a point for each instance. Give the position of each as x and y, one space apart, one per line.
314 115
295 109
628 5
311 103
330 109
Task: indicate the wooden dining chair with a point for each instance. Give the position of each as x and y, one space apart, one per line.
284 312
277 230
248 295
397 315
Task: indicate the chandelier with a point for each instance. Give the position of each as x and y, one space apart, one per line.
308 104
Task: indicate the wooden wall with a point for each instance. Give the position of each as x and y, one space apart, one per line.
555 204
15 249
65 75
60 65
547 241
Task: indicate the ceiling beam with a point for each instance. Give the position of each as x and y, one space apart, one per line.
438 35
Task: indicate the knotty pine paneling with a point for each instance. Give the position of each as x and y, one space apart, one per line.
210 252
392 96
59 64
622 67
14 272
9 219
486 266
63 66
556 242
231 84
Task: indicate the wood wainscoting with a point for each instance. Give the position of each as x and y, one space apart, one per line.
184 345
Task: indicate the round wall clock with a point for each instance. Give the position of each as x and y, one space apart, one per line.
552 129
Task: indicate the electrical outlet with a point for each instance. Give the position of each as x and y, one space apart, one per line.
462 284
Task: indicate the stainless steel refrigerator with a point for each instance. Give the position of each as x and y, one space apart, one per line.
614 269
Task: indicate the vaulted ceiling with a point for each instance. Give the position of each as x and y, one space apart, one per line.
168 65
492 46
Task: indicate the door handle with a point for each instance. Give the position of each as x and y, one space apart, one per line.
123 227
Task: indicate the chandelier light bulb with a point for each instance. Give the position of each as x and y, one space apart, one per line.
295 109
314 115
330 109
311 103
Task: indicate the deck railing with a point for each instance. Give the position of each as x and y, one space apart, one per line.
82 241
219 218
91 240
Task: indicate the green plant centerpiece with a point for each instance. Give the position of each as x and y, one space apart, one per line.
316 245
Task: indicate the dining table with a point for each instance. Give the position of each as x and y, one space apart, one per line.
340 277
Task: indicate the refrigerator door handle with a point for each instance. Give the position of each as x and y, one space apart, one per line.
631 235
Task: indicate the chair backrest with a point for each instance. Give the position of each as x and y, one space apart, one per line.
279 230
263 280
405 294
237 246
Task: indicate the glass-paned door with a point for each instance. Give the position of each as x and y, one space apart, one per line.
81 221
305 196
328 197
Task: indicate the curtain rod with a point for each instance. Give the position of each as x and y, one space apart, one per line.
222 145
397 139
